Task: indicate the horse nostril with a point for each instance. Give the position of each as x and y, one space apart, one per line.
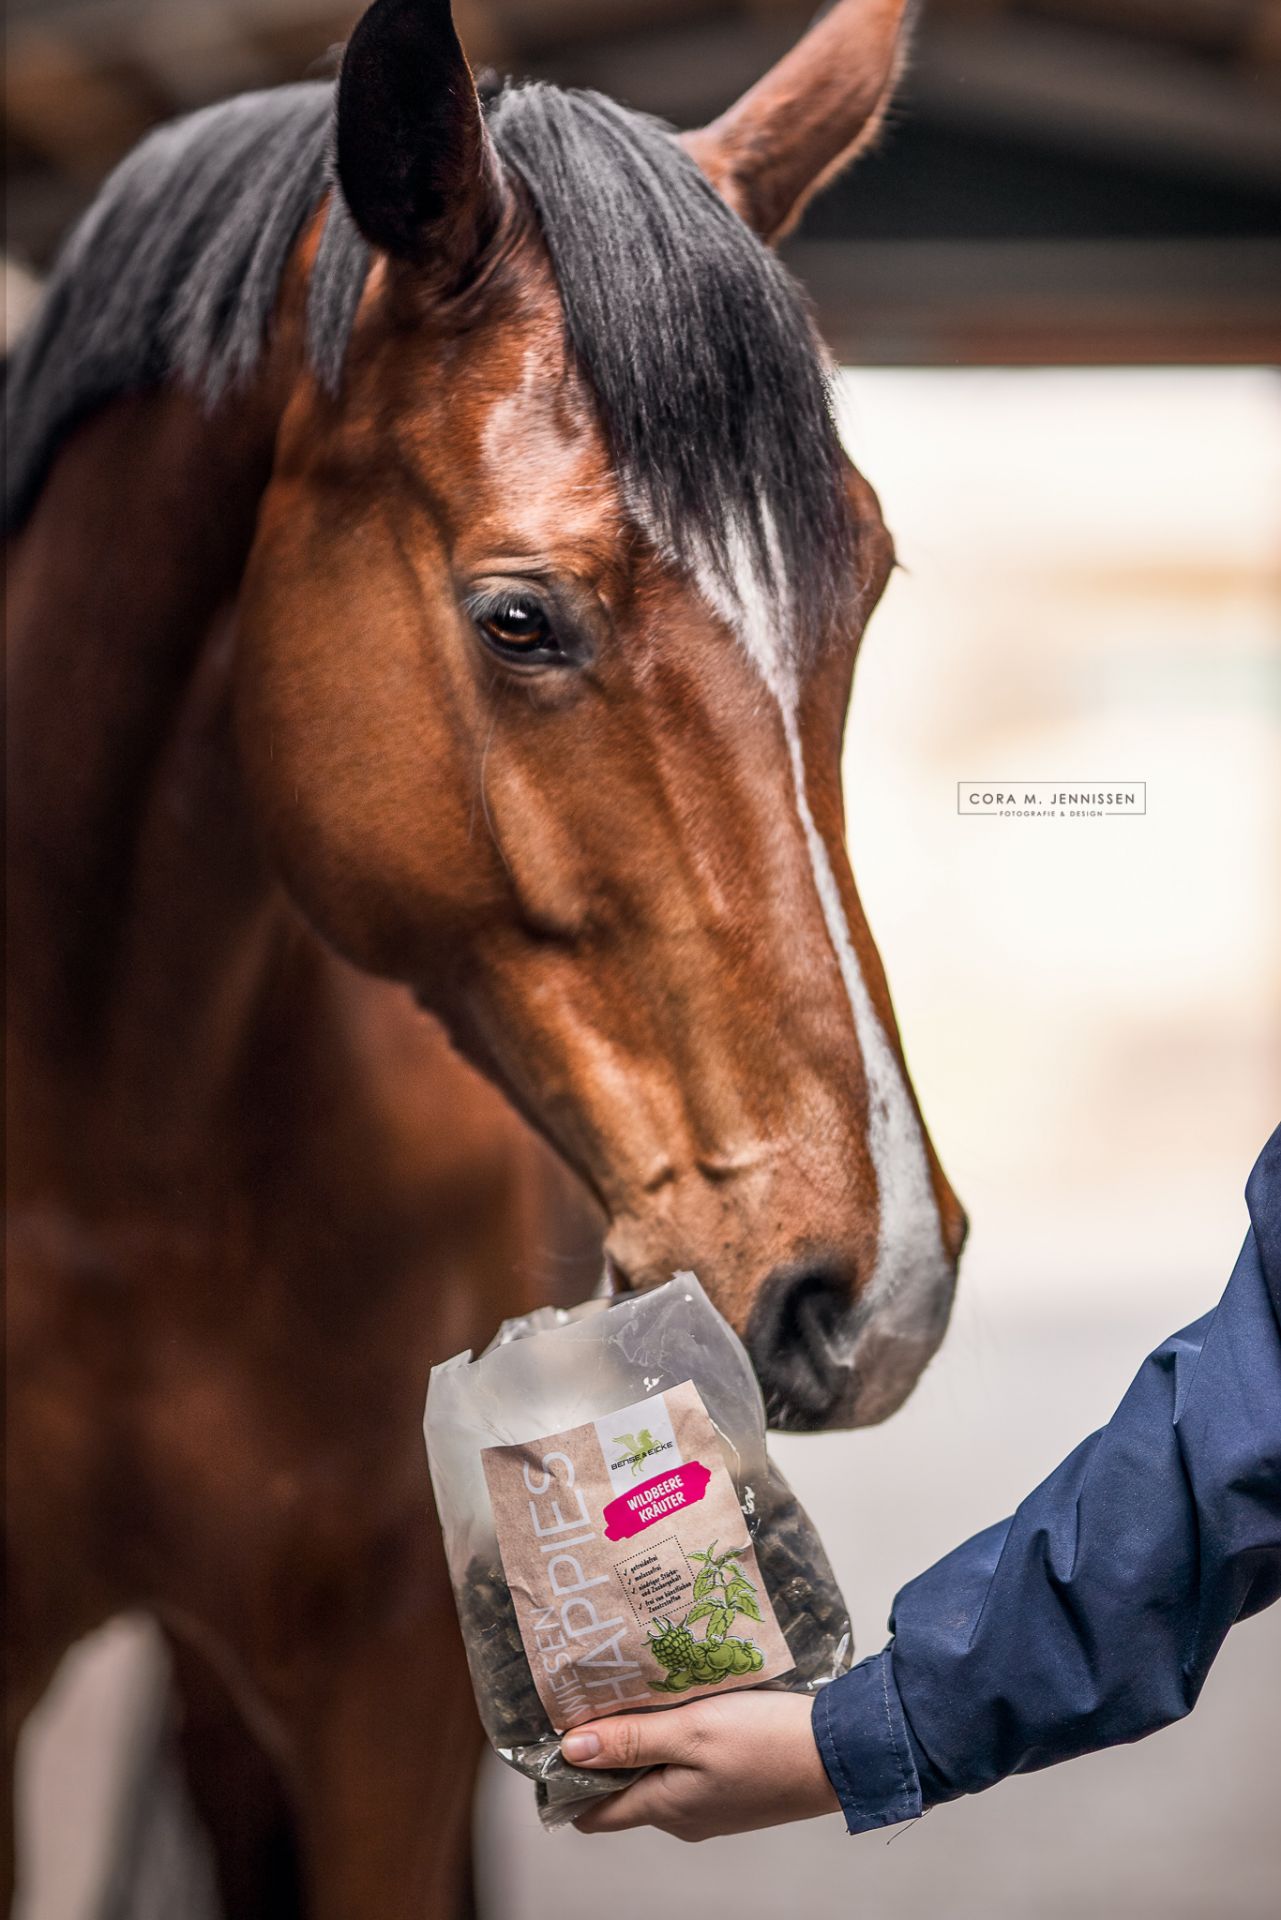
794 1341
810 1312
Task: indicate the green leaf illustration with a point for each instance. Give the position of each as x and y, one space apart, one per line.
718 1625
722 1592
701 1612
730 1553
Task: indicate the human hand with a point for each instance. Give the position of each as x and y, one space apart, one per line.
723 1765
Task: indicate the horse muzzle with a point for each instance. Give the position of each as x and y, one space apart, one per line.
825 1360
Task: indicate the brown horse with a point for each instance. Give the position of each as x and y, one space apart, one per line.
447 581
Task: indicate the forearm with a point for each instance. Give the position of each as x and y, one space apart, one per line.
1093 1615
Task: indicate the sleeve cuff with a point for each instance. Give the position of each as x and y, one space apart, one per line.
862 1736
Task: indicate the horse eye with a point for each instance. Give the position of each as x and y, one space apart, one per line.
516 625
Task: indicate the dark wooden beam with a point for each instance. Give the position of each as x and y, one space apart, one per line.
944 303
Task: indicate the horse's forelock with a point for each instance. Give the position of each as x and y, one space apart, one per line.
698 346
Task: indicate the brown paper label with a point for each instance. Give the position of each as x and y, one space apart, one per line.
628 1560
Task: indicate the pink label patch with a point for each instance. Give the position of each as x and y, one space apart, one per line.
657 1500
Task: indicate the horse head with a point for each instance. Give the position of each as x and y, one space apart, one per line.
548 639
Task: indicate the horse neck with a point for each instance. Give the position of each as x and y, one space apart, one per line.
135 890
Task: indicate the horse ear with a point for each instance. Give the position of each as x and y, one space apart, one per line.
808 117
416 164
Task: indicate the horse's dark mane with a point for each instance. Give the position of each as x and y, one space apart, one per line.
695 341
175 269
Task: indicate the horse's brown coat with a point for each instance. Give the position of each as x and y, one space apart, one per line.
261 773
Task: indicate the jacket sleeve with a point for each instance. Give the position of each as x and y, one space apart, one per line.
1092 1616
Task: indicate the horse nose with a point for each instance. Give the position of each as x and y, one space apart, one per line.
799 1338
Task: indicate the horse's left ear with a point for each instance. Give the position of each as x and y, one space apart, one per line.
415 161
809 116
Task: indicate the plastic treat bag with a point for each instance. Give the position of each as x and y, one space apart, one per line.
617 1537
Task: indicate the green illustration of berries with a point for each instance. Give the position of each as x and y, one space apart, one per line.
675 1648
722 1592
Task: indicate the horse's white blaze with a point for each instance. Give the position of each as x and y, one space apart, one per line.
910 1283
902 1297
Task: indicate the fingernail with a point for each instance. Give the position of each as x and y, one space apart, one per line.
578 1747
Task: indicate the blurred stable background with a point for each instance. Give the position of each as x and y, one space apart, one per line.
1065 179
1057 289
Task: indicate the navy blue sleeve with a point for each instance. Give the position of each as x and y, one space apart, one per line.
1092 1616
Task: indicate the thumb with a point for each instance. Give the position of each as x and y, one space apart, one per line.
634 1740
